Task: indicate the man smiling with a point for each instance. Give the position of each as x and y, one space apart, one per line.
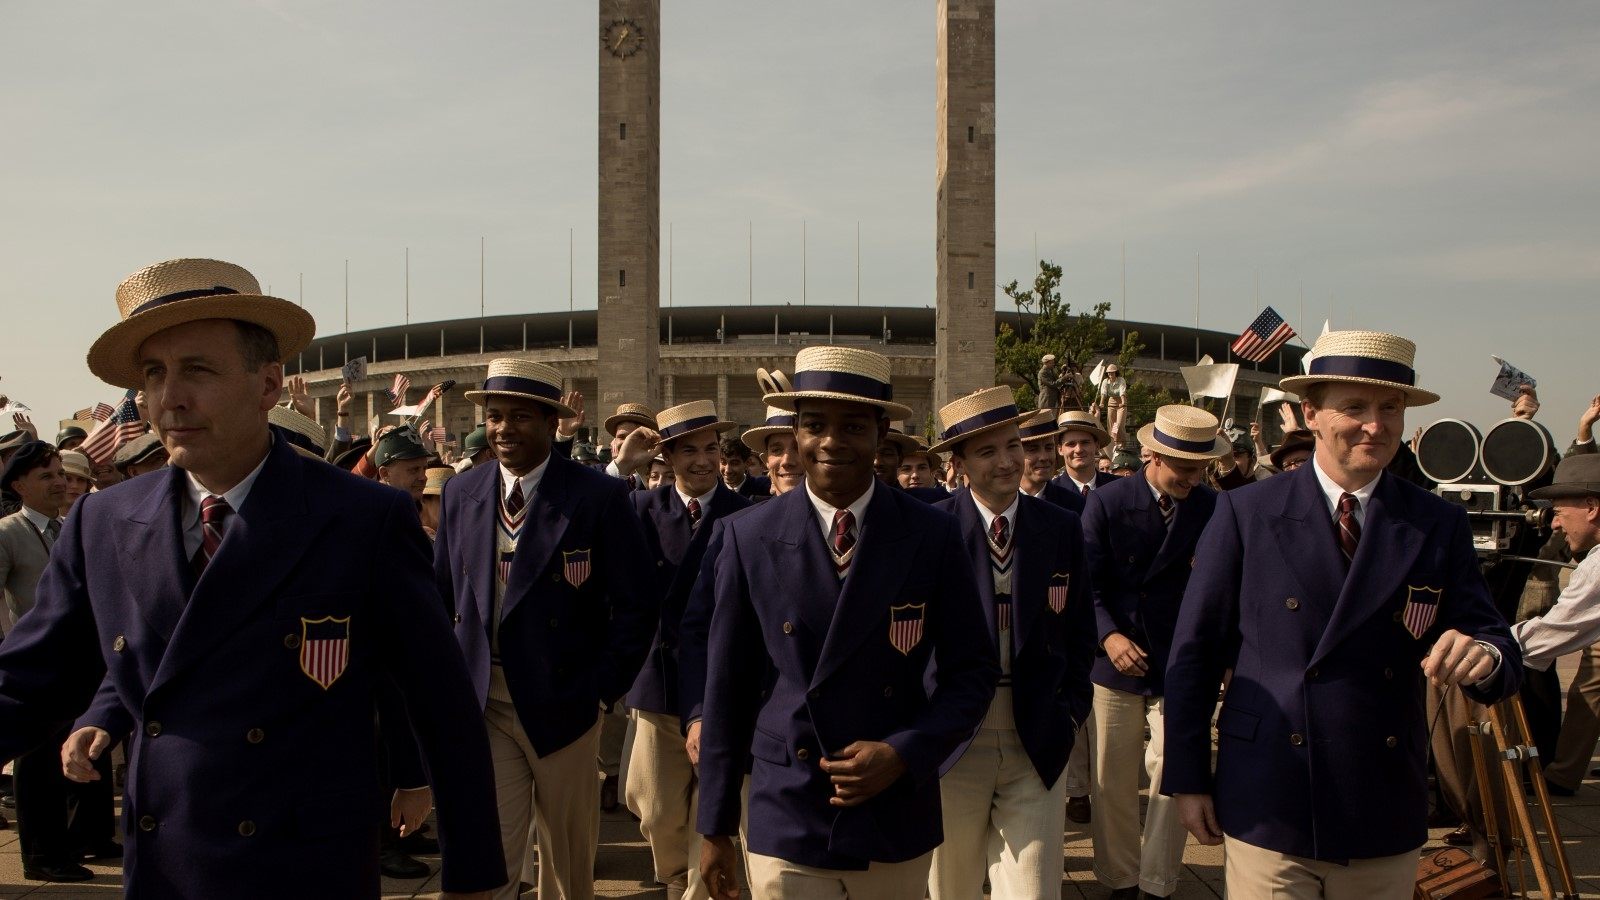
839 596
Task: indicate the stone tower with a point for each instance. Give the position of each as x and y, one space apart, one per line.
630 204
965 241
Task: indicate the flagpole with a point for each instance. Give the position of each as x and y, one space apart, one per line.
1197 309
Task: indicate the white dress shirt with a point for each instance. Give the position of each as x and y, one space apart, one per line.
530 481
37 519
705 499
825 512
1570 625
193 535
988 517
1332 492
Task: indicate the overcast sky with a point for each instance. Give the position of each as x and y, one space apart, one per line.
1425 168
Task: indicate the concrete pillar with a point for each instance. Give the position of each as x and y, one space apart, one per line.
722 396
964 243
669 391
372 413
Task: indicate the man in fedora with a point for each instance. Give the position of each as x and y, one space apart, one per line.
1141 532
832 603
239 612
1295 450
1038 435
1079 440
677 521
537 555
1003 791
1359 585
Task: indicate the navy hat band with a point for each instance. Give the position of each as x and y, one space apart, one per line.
1364 367
781 421
982 420
686 426
500 384
1040 430
164 299
1167 440
842 383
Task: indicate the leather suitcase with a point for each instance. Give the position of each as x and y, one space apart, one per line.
1453 874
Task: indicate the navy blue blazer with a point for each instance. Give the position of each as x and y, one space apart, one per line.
1052 645
755 487
1101 479
1323 735
1066 498
676 551
837 676
1140 571
252 748
578 611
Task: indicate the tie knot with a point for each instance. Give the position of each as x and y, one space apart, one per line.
213 509
1000 531
1165 502
694 510
844 521
1348 503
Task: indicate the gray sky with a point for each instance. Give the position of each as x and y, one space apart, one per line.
1425 168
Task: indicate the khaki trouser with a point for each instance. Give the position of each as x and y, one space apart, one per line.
1077 774
776 879
1580 725
661 789
1000 821
553 796
1255 873
1121 858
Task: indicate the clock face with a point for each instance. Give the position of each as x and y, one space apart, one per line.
623 38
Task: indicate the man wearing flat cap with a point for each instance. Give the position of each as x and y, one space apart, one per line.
239 613
537 557
142 455
1332 592
842 596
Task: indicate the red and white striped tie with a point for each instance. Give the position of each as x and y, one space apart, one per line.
1349 528
213 525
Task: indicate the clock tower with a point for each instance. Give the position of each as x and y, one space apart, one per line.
630 204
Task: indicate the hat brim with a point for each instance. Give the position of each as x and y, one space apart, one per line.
719 427
1100 434
1566 491
756 438
1220 447
903 441
942 446
612 422
113 357
786 401
566 411
1415 396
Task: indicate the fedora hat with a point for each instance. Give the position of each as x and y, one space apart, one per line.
1078 420
631 412
778 421
979 412
1293 442
1041 425
437 476
1363 357
677 421
840 373
177 291
298 425
526 379
1184 432
75 463
1576 476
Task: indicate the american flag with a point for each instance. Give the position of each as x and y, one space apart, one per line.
397 392
1263 338
120 426
101 412
438 434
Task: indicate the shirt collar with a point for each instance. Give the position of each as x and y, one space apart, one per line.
858 508
1081 484
1332 492
1154 491
988 517
530 481
38 519
705 499
234 496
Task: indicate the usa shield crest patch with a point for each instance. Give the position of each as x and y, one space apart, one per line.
577 566
1002 612
905 626
1058 591
324 648
1422 608
502 567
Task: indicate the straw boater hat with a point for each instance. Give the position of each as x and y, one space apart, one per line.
526 379
1363 357
778 422
1041 425
1078 420
840 373
289 420
187 290
75 463
1184 432
631 412
981 411
677 421
437 476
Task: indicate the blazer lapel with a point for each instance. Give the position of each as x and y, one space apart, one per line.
671 519
160 576
546 524
977 541
871 586
1179 536
797 543
1030 573
263 543
1390 543
479 535
1309 546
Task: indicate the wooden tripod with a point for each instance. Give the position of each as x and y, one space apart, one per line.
1507 729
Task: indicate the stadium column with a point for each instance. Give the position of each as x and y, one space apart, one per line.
964 354
629 329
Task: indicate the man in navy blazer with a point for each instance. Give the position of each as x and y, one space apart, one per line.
538 557
1141 532
1080 441
678 520
240 613
1038 462
844 749
1358 584
1003 793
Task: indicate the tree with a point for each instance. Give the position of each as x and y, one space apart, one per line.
1078 341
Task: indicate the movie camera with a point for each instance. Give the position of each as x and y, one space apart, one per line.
1488 474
